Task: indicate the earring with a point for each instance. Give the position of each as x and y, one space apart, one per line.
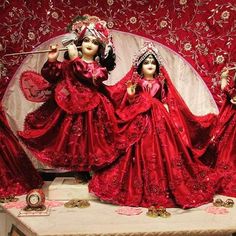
80 54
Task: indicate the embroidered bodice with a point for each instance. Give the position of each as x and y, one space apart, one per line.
150 86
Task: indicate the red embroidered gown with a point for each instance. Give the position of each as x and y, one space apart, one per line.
221 153
75 127
156 168
17 174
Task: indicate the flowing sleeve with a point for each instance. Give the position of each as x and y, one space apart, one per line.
195 130
38 87
34 87
52 71
124 108
117 93
127 110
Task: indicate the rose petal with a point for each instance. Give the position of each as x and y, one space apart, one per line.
129 211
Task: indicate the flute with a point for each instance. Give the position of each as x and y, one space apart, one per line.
36 52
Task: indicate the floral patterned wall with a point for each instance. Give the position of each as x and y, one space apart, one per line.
203 32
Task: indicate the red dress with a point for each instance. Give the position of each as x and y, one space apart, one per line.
156 168
17 174
221 153
225 130
75 127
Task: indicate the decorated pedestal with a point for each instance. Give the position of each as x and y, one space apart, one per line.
66 188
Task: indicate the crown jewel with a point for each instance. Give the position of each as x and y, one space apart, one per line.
147 49
86 24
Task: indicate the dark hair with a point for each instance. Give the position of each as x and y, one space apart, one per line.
107 61
139 69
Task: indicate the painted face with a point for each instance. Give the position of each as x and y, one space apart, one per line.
90 46
149 66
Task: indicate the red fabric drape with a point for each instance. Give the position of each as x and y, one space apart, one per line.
17 174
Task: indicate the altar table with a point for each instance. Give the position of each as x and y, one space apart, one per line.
102 219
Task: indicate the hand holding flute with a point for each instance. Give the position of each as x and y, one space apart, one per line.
53 53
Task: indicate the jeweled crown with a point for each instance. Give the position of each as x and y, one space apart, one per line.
86 24
147 49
